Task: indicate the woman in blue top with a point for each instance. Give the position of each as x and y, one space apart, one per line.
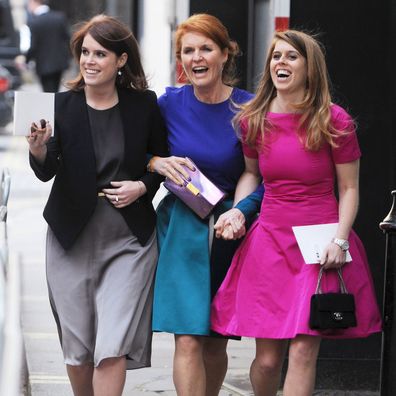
191 263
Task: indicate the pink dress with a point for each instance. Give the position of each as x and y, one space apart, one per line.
267 291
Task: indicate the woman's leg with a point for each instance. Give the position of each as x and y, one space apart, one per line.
301 372
188 367
109 377
215 360
266 368
81 379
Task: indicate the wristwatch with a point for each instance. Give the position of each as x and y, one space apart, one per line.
342 243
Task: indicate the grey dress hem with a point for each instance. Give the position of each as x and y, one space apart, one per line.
95 318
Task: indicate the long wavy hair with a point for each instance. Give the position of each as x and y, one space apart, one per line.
211 27
115 36
315 125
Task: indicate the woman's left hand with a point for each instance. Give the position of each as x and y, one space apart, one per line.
230 225
124 192
172 167
333 257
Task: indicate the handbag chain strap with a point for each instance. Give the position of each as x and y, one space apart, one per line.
340 278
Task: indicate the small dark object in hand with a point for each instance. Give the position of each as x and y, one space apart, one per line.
35 128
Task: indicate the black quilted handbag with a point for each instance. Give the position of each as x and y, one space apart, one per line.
332 310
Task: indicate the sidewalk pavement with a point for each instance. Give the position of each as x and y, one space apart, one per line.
26 236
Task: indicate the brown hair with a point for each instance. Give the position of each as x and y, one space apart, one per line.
315 106
115 36
211 27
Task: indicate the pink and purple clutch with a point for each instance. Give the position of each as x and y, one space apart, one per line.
199 193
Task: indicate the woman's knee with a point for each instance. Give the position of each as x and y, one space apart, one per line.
80 371
269 356
81 367
187 344
111 362
303 351
269 364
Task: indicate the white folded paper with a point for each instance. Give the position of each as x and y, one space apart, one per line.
32 107
312 239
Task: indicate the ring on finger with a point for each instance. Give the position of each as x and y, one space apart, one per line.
116 198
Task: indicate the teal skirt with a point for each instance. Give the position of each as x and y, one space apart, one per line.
191 267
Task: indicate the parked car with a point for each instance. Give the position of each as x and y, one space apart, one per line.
9 44
6 102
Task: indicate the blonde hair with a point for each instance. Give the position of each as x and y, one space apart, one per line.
315 106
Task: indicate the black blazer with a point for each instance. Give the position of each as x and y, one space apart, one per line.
71 159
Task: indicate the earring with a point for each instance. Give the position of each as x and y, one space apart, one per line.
119 72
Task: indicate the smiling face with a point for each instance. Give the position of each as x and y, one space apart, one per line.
98 65
288 68
202 60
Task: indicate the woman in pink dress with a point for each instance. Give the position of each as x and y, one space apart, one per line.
300 143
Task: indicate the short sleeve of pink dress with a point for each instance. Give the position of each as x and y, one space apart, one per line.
248 151
347 149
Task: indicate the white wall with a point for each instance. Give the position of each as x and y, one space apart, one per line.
157 19
264 25
155 41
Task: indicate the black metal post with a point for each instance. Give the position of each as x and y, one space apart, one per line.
388 350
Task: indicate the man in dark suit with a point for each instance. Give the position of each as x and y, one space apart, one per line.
49 44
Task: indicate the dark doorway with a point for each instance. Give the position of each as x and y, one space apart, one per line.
360 41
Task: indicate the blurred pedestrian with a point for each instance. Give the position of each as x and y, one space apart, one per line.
49 44
301 143
192 263
101 241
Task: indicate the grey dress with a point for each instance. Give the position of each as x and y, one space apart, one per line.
101 289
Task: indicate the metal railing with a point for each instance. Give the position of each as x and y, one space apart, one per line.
11 342
388 350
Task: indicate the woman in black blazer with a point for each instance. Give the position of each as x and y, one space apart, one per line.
101 243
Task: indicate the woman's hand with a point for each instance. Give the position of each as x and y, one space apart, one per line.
333 256
230 225
171 167
124 192
38 139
